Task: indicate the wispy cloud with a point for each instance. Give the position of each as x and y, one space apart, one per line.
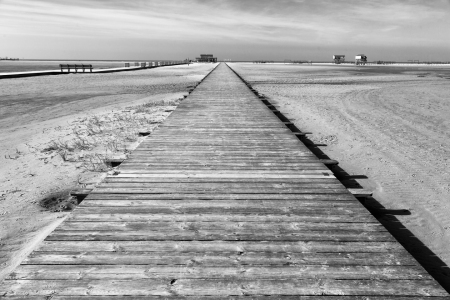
232 23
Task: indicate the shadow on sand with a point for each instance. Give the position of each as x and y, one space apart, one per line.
427 258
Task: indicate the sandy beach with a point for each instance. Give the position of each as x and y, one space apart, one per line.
37 113
388 123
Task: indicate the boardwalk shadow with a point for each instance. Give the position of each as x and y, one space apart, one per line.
348 180
427 258
387 217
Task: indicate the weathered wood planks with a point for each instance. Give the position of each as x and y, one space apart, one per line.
222 201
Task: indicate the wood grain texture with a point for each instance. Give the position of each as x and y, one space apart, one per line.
221 297
240 286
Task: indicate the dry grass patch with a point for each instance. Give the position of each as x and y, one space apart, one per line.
95 139
90 142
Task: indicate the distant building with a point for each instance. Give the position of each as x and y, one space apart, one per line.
206 58
338 58
360 59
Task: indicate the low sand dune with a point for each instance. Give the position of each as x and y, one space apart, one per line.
36 111
389 123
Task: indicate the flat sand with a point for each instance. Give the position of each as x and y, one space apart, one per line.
391 124
35 111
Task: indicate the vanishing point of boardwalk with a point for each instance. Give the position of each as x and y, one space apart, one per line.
222 201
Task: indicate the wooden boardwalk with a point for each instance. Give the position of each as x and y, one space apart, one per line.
221 202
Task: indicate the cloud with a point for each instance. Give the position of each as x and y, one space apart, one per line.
237 24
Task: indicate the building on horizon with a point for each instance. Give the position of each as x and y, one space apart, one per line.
360 59
206 58
338 58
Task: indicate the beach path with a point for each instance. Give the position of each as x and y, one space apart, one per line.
221 201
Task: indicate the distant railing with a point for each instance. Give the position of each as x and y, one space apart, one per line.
155 63
75 67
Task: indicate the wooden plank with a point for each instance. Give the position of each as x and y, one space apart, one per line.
211 167
319 210
236 258
137 190
218 165
80 192
237 155
176 216
208 182
252 181
361 193
223 174
225 196
224 159
231 235
194 270
227 156
195 287
235 135
225 151
219 162
228 297
236 227
250 204
179 129
268 145
242 147
227 247
216 184
228 141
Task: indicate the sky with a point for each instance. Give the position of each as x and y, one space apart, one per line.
395 30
